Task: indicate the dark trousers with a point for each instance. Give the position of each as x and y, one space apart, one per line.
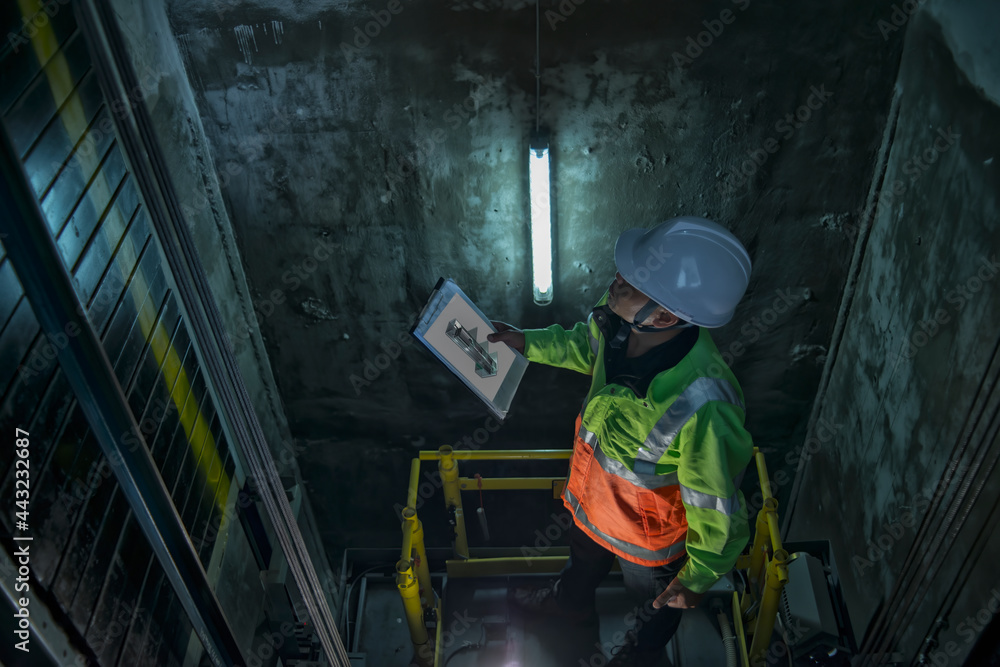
589 563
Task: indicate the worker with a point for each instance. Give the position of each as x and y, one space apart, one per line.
660 444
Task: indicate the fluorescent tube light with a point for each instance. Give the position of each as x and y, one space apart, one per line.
541 223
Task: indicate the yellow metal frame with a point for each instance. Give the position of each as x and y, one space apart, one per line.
754 612
767 572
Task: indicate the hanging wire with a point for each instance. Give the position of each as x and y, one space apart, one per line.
538 70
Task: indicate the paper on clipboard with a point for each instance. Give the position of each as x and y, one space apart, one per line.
455 331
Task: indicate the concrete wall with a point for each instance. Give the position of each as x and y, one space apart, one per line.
362 168
905 422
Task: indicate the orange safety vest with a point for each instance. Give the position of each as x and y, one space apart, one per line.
642 525
659 463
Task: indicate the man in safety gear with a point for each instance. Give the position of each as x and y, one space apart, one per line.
660 445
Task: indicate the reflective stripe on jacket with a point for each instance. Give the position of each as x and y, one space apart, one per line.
656 476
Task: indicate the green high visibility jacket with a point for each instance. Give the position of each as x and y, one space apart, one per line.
656 468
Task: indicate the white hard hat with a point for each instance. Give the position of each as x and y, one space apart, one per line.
693 267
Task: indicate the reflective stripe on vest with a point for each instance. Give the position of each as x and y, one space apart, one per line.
727 506
692 399
691 497
643 525
627 549
613 467
590 334
707 501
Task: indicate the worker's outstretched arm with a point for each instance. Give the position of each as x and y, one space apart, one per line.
713 456
553 346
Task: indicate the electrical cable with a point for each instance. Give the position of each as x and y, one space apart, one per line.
469 646
728 639
538 69
788 649
346 626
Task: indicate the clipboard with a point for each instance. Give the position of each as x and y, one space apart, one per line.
454 330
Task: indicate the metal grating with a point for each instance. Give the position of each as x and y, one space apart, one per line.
90 553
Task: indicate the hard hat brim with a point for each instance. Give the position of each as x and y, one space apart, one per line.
625 252
637 261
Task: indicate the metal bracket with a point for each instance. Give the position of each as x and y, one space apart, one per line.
486 363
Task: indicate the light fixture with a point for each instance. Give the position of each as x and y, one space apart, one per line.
539 182
541 221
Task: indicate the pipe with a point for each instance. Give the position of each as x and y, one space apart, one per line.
448 468
414 612
728 639
496 454
761 541
411 491
775 579
414 549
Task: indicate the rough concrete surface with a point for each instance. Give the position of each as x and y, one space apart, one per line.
356 175
915 370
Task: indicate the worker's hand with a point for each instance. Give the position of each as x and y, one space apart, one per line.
507 334
679 596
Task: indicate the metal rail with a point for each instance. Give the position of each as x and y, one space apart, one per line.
754 612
